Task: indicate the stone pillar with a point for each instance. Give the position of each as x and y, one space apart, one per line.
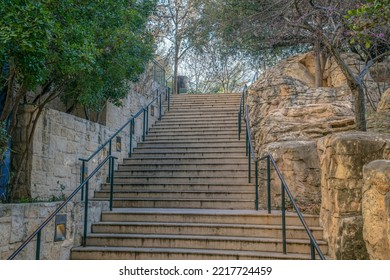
342 159
376 210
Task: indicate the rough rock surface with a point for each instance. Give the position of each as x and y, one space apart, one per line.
384 104
376 210
342 157
285 112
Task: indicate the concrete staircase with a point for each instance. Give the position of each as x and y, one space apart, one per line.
184 194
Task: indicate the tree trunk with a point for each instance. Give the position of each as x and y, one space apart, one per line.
319 75
356 88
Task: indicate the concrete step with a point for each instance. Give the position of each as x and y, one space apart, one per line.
167 154
185 179
198 128
181 166
183 173
179 187
193 149
187 160
160 194
247 217
201 118
194 138
216 134
297 246
201 229
186 145
179 131
121 253
199 124
183 203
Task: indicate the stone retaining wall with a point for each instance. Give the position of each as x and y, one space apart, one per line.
18 221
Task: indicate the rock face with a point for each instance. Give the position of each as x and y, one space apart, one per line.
376 209
384 104
342 157
287 116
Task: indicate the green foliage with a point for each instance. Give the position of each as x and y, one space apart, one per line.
369 22
88 47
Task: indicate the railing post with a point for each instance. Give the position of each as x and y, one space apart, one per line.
82 174
112 161
169 98
147 121
85 214
38 248
144 125
131 138
246 142
257 184
109 153
239 124
312 251
249 159
269 183
284 220
160 108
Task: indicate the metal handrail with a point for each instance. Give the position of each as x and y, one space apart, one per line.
85 181
250 152
145 111
37 232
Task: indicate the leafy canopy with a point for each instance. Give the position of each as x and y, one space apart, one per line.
88 47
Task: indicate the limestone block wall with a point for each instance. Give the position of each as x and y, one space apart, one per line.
53 167
18 221
342 157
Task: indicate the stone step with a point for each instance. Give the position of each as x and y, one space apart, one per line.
216 134
185 179
194 145
247 217
183 173
206 105
193 138
178 187
184 154
194 194
198 142
187 160
201 229
189 150
200 128
297 246
180 166
230 123
200 118
183 203
125 253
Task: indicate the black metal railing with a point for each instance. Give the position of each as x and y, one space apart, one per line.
38 231
83 188
130 123
250 152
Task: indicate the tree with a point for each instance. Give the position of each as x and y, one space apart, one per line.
266 24
83 51
172 23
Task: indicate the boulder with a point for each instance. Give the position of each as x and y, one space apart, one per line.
342 157
287 115
375 209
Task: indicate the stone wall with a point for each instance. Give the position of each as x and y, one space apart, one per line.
53 167
376 209
342 157
18 221
287 116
